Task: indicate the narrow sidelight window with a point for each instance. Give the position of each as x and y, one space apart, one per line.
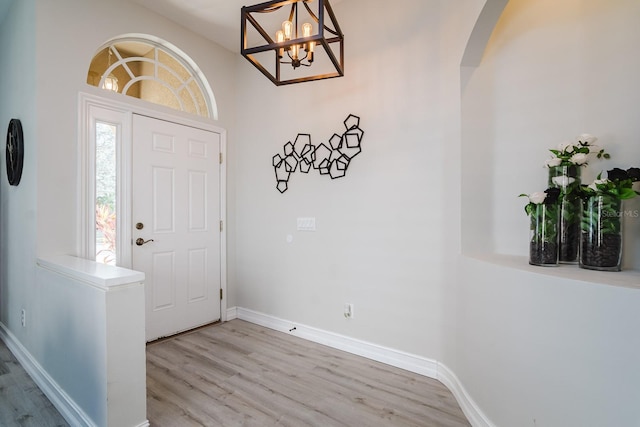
106 196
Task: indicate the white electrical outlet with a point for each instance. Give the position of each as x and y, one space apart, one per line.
348 310
23 318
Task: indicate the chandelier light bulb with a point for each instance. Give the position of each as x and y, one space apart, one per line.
280 39
294 51
287 28
306 29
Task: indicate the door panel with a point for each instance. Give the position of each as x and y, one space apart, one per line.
163 273
163 183
176 196
197 198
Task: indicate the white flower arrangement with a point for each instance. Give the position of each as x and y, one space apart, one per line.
537 197
562 181
547 197
594 185
577 152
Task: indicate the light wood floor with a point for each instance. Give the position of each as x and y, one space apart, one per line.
240 374
21 401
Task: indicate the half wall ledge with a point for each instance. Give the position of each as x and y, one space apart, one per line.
90 342
625 278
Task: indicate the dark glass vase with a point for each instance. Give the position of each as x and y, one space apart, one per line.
543 243
601 233
567 179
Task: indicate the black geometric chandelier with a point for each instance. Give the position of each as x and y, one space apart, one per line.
293 41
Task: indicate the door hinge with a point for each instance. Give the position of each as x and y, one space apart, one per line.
221 226
220 158
221 294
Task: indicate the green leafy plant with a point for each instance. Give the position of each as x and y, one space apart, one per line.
601 222
605 211
547 218
543 214
577 152
618 184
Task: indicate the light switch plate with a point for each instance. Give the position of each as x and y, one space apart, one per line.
307 224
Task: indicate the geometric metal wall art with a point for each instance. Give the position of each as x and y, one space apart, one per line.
331 159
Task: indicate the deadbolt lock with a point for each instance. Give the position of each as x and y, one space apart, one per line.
139 226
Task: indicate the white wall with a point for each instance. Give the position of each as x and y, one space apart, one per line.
387 232
93 342
534 347
18 204
537 350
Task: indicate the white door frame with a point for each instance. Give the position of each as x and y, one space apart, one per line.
94 108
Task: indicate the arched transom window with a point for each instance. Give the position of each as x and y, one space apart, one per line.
152 70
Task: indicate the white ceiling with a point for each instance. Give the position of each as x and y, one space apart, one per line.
216 20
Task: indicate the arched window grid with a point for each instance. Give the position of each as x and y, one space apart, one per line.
187 85
155 77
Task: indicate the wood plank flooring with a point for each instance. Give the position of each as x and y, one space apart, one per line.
240 374
22 403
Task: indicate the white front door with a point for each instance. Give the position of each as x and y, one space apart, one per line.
176 213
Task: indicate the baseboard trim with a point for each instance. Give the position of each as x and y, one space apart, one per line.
67 407
471 410
410 362
232 313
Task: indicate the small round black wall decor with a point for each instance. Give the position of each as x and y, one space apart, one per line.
15 152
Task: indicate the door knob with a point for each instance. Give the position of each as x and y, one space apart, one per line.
140 241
